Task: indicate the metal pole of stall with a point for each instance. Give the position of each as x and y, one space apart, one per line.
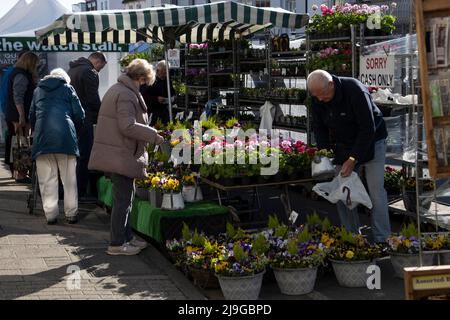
169 97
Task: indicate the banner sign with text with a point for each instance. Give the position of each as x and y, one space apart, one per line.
20 44
377 71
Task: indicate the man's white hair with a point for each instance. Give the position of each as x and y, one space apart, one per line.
59 73
318 79
161 65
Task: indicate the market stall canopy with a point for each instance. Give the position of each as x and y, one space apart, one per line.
186 24
25 17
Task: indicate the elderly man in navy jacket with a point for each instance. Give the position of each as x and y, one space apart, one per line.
346 120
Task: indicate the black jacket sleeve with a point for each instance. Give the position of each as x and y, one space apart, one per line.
91 84
321 132
362 109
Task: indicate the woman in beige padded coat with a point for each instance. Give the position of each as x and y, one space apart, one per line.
120 149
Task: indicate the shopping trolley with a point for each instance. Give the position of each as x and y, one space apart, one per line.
32 197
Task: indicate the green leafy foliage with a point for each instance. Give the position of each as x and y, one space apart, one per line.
304 235
185 232
230 230
409 231
239 252
260 245
273 222
292 247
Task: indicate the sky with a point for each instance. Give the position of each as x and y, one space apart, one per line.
6 5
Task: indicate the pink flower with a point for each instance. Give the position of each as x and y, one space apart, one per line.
287 150
238 143
311 151
301 149
286 144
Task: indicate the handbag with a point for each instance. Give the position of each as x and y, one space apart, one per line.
21 154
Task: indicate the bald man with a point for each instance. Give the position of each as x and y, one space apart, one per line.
346 120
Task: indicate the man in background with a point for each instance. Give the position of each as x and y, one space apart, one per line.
156 96
84 78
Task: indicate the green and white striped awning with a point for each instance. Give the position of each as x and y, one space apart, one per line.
213 21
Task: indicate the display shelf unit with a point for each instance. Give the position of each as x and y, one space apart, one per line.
428 42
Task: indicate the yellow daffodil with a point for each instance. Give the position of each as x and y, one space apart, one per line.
173 143
407 243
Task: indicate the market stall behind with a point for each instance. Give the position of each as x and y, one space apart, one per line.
171 24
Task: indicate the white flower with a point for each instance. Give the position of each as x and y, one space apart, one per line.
315 7
394 5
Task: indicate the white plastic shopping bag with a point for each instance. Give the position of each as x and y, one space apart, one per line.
350 190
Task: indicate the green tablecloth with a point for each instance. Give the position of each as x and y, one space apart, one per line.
145 218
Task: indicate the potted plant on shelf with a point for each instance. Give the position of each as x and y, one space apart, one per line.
404 250
240 268
201 258
392 181
438 242
172 197
191 189
295 263
142 186
154 192
350 256
408 185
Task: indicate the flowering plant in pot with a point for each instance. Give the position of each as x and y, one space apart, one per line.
295 263
336 20
404 249
191 188
409 186
241 267
350 256
392 180
170 186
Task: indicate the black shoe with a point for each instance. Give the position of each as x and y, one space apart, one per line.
26 180
87 199
52 221
72 220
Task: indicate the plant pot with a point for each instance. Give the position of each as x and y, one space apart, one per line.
404 260
142 193
445 258
155 198
296 281
351 274
409 201
241 288
172 201
205 279
192 194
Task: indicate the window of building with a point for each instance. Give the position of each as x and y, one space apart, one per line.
291 5
138 6
262 3
130 6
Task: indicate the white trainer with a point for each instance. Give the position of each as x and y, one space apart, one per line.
127 249
138 243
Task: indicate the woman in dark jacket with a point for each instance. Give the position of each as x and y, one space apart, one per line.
55 116
21 85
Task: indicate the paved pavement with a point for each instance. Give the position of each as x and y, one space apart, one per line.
37 260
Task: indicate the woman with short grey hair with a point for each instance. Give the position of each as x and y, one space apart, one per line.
55 117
